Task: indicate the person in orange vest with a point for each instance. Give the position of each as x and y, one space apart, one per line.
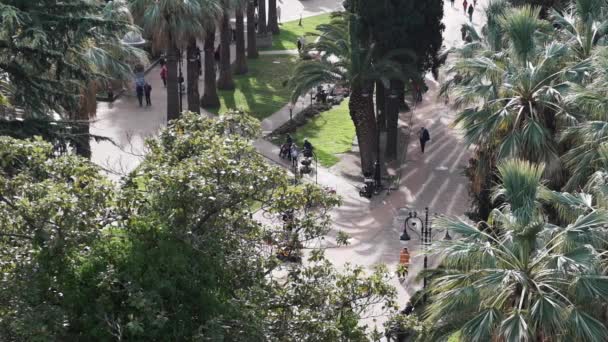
404 263
404 257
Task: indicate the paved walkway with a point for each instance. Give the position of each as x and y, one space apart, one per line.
280 52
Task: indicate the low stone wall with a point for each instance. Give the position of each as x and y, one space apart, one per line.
301 118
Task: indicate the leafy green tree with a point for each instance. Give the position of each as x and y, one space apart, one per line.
420 31
523 279
175 251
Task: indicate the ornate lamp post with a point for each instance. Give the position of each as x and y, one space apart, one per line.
180 80
426 233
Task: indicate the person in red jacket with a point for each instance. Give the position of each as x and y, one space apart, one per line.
163 74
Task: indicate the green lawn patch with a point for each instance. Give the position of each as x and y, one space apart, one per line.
290 31
330 133
455 337
261 92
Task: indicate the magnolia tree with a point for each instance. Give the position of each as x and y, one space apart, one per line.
174 252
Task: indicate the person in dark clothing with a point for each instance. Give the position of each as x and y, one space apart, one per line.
139 90
199 63
409 308
289 140
110 93
424 137
471 9
148 91
308 148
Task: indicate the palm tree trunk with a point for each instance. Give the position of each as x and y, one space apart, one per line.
392 124
240 66
172 83
381 106
252 46
225 81
273 24
262 27
192 78
210 98
86 111
362 114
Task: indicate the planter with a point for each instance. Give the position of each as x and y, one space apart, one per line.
264 41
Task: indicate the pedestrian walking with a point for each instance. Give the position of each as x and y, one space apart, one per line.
110 93
475 3
279 14
299 44
139 90
471 9
465 5
452 3
163 74
424 137
418 93
147 92
294 156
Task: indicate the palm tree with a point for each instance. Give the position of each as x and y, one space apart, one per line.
106 58
345 63
252 47
262 26
273 23
210 98
513 99
192 75
210 14
583 26
523 279
240 64
225 81
170 23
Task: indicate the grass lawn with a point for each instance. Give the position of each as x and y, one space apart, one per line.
260 92
290 31
455 337
330 133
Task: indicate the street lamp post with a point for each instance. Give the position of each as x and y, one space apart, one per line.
180 80
426 234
